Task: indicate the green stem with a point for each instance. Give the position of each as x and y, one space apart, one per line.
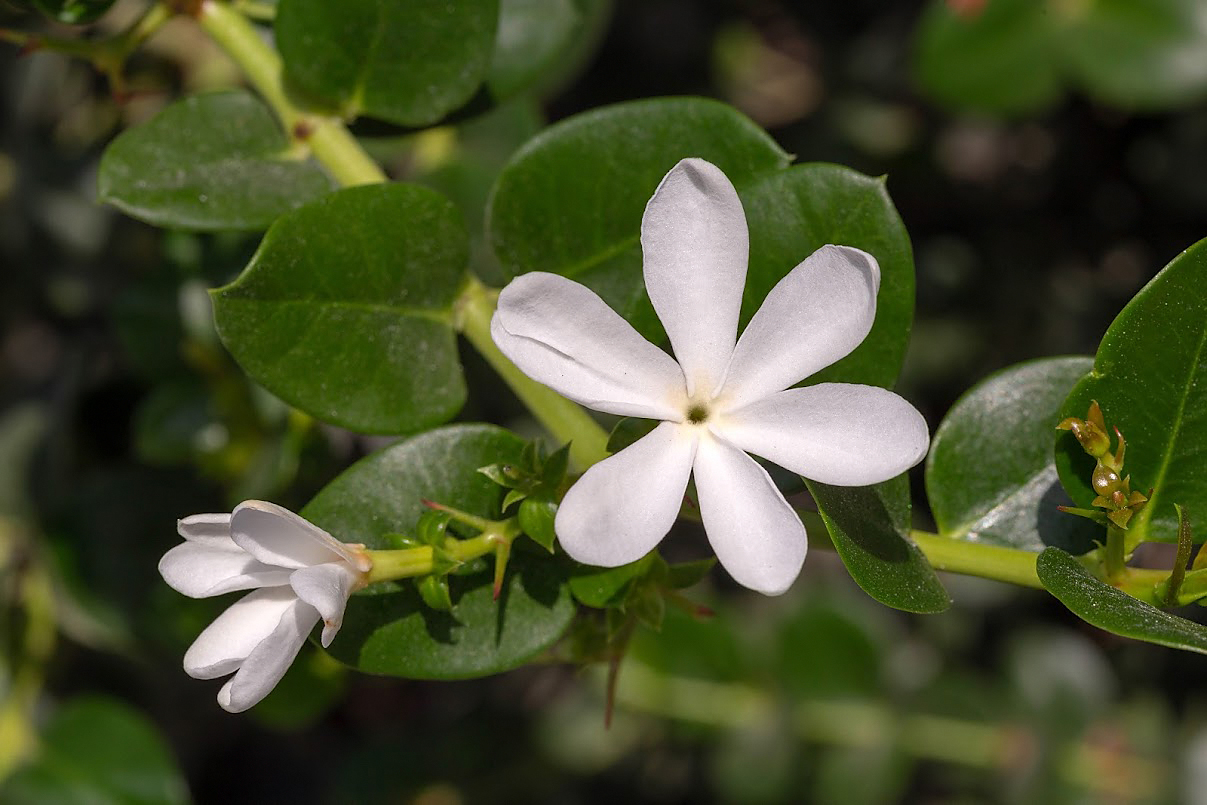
34 590
1113 559
403 563
329 140
338 151
978 559
566 420
1006 748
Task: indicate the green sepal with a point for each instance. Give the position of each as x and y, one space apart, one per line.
604 588
433 590
687 574
536 515
646 603
432 528
512 497
627 431
553 470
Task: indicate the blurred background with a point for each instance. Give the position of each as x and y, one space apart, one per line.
1038 201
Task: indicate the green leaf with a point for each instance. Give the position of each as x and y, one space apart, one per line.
408 63
1106 607
540 42
996 60
687 574
990 476
536 518
1150 377
210 162
604 587
628 430
793 213
870 529
346 309
1015 56
570 202
1139 54
434 592
387 628
98 752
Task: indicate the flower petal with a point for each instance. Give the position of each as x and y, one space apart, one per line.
836 433
269 660
695 245
326 588
757 537
211 529
624 505
817 314
234 634
562 334
199 570
277 536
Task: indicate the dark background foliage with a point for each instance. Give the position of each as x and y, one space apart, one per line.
1029 236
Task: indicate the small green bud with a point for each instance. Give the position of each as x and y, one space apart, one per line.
1093 438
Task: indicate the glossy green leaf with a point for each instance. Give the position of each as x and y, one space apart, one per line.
346 309
98 751
1109 608
536 517
601 587
1150 377
869 526
793 213
990 476
408 63
235 169
1016 56
570 202
387 628
540 42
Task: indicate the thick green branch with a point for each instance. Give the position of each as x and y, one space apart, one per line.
978 559
329 140
566 420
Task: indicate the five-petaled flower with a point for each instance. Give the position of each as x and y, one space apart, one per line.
723 398
299 573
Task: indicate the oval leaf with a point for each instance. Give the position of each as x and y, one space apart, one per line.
870 529
346 309
990 476
1150 377
570 201
540 42
387 629
793 213
1015 56
1106 607
98 750
408 63
236 169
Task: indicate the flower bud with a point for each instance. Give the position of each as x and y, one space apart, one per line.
1092 437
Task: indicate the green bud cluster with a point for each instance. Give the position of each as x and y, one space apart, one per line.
1115 497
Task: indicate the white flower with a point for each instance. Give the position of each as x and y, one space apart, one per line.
299 573
723 398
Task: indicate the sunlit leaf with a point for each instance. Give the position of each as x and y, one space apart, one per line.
388 629
990 475
1150 378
